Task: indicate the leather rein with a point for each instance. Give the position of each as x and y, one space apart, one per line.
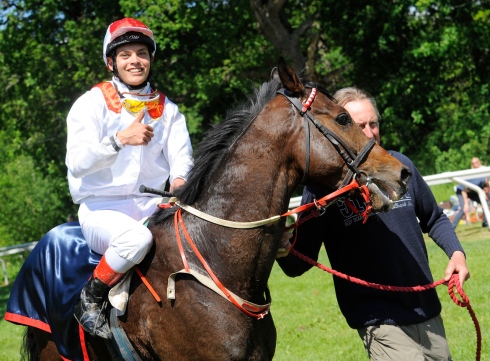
212 282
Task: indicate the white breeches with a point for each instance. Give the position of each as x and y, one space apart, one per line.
114 227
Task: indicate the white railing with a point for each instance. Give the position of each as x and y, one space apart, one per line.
5 251
459 176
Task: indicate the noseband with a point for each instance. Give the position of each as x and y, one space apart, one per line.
347 155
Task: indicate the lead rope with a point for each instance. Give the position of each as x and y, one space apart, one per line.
453 283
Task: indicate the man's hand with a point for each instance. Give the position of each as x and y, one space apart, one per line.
457 264
137 133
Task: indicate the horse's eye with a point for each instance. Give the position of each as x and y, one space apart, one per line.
343 119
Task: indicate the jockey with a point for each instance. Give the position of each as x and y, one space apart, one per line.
121 134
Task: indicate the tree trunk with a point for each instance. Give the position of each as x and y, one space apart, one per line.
274 24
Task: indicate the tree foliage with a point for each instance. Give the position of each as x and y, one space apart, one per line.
30 202
425 61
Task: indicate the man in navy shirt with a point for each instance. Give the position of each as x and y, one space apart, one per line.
388 249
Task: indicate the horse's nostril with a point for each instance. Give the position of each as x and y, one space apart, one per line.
406 175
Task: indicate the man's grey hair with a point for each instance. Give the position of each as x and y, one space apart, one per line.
349 94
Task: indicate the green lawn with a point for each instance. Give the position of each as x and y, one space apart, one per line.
10 335
311 328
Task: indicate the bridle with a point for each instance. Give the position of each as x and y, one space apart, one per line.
351 160
351 181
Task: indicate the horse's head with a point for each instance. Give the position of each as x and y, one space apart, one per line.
332 149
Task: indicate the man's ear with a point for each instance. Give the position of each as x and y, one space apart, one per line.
109 64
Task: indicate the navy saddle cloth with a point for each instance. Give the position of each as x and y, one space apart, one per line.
48 286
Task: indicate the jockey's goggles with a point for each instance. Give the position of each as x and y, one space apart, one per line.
136 105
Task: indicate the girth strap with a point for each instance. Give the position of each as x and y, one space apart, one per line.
124 348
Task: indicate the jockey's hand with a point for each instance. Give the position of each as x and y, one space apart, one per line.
176 183
137 133
283 251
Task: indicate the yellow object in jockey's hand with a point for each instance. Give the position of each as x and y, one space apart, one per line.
283 251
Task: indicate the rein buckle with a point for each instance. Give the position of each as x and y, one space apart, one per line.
321 208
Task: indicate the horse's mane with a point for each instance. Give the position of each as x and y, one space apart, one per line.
218 140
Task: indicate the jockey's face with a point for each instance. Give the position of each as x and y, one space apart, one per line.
133 63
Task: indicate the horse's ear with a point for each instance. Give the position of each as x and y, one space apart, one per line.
289 78
275 75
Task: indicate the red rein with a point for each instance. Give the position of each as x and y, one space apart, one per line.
325 201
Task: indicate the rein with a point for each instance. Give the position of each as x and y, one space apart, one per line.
319 204
212 282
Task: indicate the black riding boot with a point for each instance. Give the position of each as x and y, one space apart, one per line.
89 311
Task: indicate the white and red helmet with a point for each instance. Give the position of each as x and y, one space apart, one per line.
127 30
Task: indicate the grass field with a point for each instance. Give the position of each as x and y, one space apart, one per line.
310 326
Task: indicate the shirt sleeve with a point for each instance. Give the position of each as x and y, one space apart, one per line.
432 219
88 151
179 148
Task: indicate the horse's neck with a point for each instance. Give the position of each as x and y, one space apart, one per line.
252 184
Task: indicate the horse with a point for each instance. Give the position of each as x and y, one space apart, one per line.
246 169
